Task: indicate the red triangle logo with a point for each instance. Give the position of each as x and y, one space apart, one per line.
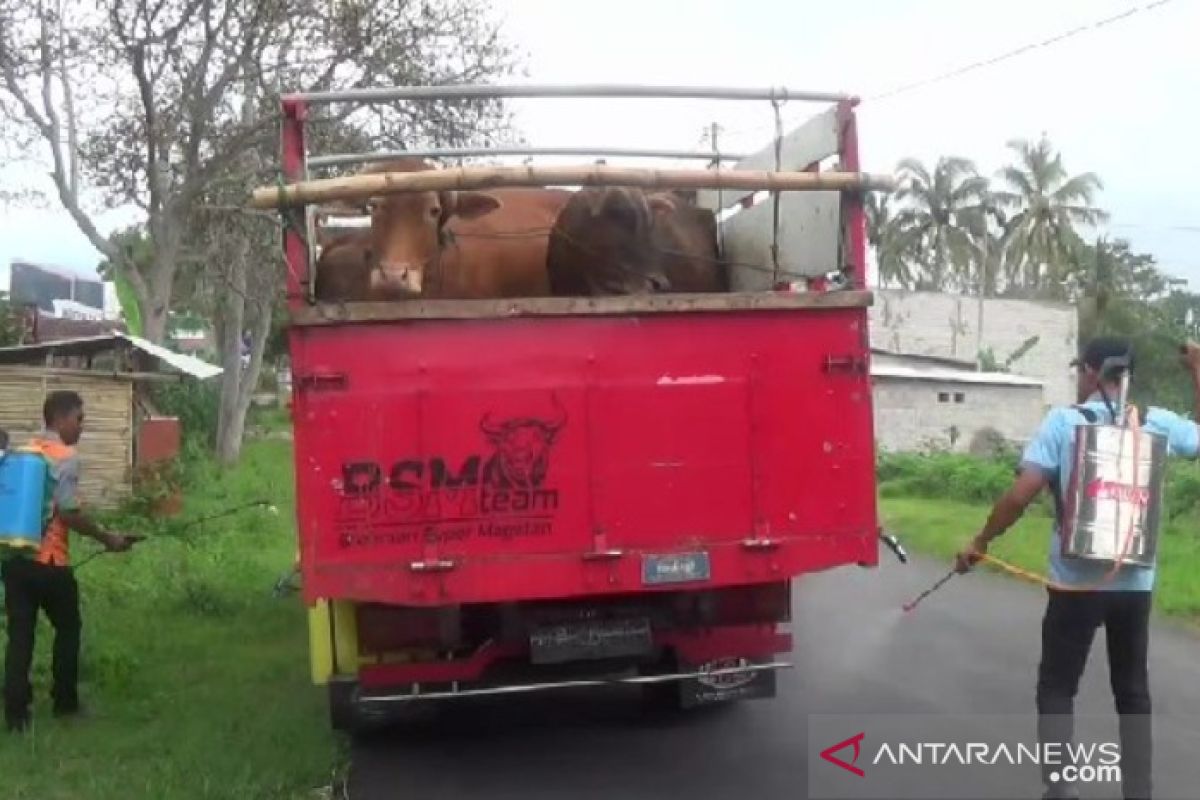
855 742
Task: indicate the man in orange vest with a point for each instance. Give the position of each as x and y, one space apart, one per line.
44 580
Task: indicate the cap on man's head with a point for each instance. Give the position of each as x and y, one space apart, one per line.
1102 348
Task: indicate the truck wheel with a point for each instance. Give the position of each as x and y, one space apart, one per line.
343 713
661 697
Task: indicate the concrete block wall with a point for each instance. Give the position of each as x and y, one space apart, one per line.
936 324
911 415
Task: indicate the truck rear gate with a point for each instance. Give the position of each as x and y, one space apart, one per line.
583 451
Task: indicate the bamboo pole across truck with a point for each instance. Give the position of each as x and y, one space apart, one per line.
357 187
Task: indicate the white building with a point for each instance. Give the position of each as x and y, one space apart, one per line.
947 326
924 403
929 390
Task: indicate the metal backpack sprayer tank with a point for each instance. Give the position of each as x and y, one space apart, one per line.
23 476
1113 507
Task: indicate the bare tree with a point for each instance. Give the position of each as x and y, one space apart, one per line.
171 106
141 102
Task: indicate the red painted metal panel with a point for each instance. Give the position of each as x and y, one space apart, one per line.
487 460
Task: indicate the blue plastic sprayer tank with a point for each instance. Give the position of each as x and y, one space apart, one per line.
22 489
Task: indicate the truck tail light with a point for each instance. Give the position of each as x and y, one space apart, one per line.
386 628
741 605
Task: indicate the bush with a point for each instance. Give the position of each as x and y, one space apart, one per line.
944 475
196 404
1182 493
971 479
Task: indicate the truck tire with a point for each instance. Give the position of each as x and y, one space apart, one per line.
343 711
665 697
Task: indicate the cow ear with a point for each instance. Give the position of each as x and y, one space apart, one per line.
471 205
596 199
661 205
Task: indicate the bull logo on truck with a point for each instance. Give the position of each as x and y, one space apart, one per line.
523 444
503 493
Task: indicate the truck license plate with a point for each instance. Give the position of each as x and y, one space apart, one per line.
675 568
574 641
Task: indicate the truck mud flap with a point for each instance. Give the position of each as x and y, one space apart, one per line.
726 686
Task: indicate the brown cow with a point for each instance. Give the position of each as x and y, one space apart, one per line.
343 271
458 244
625 241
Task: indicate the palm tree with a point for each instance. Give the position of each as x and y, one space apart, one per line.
893 266
1048 204
935 220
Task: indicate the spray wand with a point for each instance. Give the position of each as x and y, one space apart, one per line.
911 604
178 533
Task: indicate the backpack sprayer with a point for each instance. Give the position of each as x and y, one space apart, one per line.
23 477
1112 509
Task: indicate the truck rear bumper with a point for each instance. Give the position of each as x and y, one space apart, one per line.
696 647
735 674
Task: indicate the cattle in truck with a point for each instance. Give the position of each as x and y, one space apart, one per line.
619 240
447 244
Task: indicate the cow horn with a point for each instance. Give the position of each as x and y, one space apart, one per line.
489 427
560 416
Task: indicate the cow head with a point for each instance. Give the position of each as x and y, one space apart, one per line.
408 230
523 447
620 238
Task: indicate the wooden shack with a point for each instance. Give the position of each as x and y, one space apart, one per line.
109 371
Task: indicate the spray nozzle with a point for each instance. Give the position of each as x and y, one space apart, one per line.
894 545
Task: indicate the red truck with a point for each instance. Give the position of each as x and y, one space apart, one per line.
506 496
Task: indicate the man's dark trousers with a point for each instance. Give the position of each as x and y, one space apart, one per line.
28 587
1068 628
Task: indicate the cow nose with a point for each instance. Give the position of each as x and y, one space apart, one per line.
397 278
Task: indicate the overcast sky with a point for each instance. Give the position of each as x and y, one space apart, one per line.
1119 100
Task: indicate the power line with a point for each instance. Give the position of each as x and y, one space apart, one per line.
1091 26
1173 228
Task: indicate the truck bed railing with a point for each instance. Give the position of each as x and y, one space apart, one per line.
342 159
775 94
831 242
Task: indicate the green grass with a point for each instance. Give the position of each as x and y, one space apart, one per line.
195 675
940 527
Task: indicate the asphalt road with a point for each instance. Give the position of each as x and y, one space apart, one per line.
971 648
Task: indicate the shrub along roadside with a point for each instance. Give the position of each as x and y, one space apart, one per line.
968 479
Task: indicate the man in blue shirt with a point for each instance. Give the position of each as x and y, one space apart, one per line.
1084 595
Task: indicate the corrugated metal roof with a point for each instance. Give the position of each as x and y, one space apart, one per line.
922 373
921 358
189 365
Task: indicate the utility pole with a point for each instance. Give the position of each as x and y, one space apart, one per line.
983 266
